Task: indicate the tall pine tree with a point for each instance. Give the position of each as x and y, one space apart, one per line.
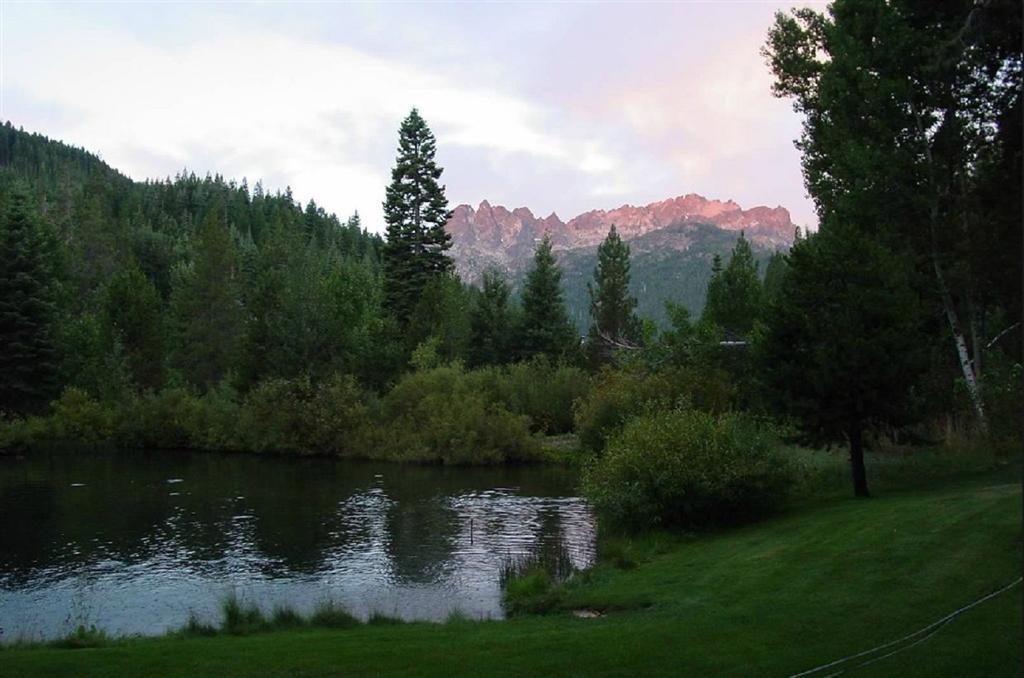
611 306
490 322
416 211
842 347
132 316
206 307
546 328
734 292
27 357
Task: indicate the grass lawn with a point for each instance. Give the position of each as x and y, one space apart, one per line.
826 580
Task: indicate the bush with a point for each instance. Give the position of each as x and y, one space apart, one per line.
77 417
543 391
687 469
21 435
296 415
214 421
618 395
165 419
445 415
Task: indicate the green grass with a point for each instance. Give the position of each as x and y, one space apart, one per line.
821 582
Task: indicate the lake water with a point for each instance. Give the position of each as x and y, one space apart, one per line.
135 542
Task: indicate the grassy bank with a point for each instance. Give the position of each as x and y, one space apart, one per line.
821 582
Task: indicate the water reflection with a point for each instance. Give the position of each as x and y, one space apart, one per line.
135 542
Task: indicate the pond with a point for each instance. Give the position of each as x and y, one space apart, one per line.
134 542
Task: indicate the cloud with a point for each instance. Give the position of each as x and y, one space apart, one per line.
321 116
529 105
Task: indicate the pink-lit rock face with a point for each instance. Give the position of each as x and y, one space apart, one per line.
491 235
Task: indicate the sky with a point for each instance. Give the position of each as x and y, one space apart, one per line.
559 107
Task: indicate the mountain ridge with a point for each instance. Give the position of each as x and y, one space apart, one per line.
494 236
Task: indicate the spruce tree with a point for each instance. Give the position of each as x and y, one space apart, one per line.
546 328
734 293
132 315
416 211
842 346
611 307
490 322
28 360
207 309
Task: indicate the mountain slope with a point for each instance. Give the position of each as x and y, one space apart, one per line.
672 241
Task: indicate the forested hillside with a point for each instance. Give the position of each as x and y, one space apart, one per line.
190 279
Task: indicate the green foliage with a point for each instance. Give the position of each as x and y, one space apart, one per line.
531 592
442 313
132 313
658 274
381 619
77 417
330 615
93 360
416 211
272 291
774 274
534 583
302 417
442 415
543 391
734 293
83 637
158 419
490 322
28 360
612 309
908 110
546 329
687 469
618 395
204 301
241 619
841 348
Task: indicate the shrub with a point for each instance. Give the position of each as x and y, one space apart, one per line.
444 415
164 419
78 418
21 435
618 395
296 415
687 469
273 415
214 421
543 391
339 417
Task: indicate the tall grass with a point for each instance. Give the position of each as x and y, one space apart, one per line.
241 618
532 583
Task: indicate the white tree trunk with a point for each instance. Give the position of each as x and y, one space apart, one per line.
967 366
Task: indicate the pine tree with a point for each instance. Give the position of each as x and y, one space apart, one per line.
206 306
611 307
774 273
28 360
133 316
490 322
734 293
546 328
841 348
416 211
